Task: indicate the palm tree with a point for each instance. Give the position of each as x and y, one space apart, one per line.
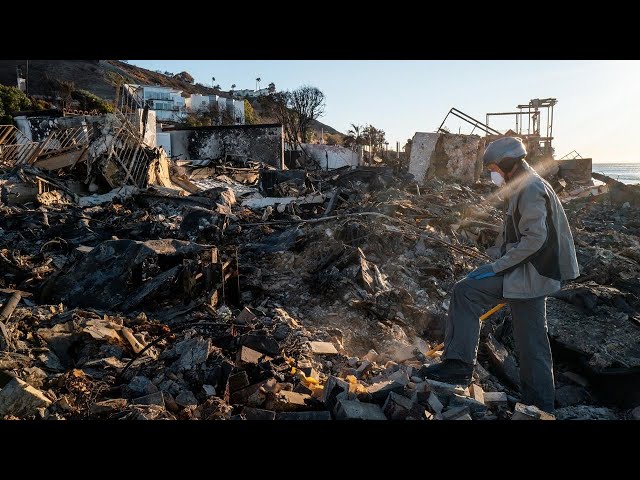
258 83
213 80
354 136
233 86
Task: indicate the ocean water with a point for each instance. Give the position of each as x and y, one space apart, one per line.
628 173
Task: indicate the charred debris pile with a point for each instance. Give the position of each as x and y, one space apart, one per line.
135 289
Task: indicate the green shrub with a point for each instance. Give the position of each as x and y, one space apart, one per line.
12 100
39 104
89 101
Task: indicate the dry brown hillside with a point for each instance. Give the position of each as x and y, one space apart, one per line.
101 77
97 76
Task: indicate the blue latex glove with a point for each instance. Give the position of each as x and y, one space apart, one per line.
485 271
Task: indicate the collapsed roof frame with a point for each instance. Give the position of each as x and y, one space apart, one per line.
123 149
469 119
533 113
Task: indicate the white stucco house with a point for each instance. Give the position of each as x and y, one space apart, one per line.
168 103
171 106
251 93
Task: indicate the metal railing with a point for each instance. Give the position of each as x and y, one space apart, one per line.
571 155
10 135
128 152
15 147
61 141
470 120
125 148
129 98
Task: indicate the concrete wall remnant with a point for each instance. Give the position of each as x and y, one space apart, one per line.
445 156
458 158
38 127
330 157
577 170
163 139
262 143
147 126
423 147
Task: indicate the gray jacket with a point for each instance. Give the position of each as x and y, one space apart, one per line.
535 249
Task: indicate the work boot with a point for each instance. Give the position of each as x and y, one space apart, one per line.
452 371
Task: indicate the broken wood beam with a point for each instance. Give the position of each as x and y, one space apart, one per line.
10 306
5 314
332 202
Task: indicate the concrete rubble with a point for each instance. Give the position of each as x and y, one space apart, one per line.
446 156
237 291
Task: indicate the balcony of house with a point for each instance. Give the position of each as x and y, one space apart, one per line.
157 95
168 105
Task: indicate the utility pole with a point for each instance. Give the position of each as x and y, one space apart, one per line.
397 150
370 150
26 80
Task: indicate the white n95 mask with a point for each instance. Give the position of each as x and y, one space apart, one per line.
497 179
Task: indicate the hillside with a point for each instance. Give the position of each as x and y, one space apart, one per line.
97 76
101 77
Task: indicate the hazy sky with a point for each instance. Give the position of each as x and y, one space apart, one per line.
598 101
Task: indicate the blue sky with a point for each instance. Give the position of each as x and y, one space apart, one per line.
596 112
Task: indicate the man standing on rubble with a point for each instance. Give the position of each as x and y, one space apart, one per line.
533 254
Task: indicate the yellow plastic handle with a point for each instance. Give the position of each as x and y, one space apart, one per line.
492 311
437 348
